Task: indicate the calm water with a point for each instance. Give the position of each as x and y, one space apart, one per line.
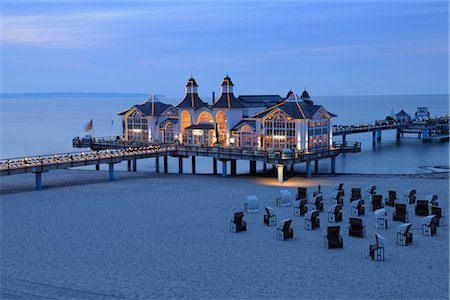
33 124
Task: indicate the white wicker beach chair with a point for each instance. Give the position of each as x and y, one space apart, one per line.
285 198
251 204
381 218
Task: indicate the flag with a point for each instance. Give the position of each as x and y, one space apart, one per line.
89 126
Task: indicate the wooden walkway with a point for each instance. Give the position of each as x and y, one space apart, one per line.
45 163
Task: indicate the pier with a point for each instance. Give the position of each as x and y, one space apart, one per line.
278 159
429 129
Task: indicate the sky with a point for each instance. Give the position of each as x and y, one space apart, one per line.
266 47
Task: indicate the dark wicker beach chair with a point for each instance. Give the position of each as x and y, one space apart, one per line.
433 199
400 213
318 203
377 202
284 230
340 187
302 193
335 214
376 251
238 224
333 238
318 192
301 208
370 191
357 208
356 194
312 220
270 219
422 208
404 236
410 196
429 225
356 227
437 211
338 198
390 201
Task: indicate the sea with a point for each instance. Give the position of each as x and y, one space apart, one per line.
44 123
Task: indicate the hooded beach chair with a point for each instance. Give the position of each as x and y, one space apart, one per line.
377 202
300 207
270 218
357 208
237 224
432 200
302 193
422 208
284 230
333 238
251 204
369 192
317 203
400 213
381 217
410 196
337 198
335 214
429 225
312 220
376 251
356 194
437 211
356 227
318 192
392 197
284 199
404 234
339 187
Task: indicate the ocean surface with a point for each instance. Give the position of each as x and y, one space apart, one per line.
42 123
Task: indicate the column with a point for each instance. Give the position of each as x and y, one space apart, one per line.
316 166
134 165
333 165
97 167
265 168
344 139
111 172
424 135
399 132
157 163
308 169
166 164
224 168
129 165
252 167
374 138
38 181
193 164
280 171
180 165
233 166
379 135
292 168
214 166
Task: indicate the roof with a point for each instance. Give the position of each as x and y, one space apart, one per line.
174 121
227 80
295 109
305 95
227 100
148 108
191 100
203 126
402 113
191 82
260 100
251 123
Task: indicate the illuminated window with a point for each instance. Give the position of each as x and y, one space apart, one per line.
221 123
279 132
168 133
205 117
137 127
185 120
318 134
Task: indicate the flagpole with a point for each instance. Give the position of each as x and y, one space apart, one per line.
92 129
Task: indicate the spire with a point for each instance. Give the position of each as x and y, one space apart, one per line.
227 85
191 86
306 98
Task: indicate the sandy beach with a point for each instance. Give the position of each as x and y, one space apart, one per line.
164 236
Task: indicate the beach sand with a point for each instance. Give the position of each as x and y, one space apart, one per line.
160 236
